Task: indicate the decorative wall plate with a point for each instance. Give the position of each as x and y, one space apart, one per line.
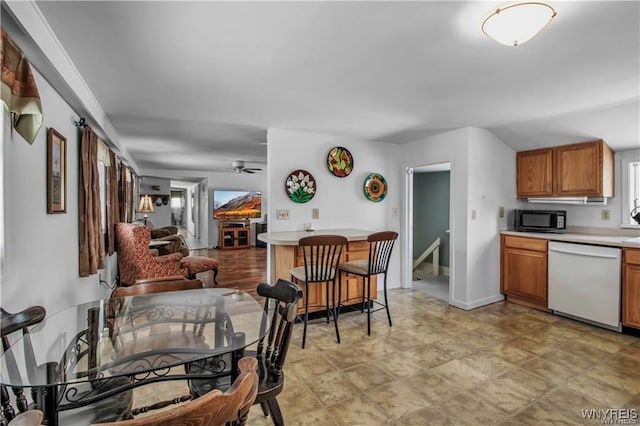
340 161
375 187
300 186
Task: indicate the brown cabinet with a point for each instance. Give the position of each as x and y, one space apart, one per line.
234 234
631 288
286 257
534 175
523 270
583 169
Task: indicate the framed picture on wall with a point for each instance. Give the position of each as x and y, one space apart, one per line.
56 172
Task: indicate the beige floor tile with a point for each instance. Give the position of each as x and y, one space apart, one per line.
297 397
400 364
528 383
428 356
538 414
486 363
463 409
628 380
569 403
611 395
396 398
358 410
505 396
530 345
332 388
432 387
425 416
511 353
460 374
548 369
367 376
455 347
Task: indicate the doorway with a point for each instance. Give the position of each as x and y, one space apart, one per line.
431 213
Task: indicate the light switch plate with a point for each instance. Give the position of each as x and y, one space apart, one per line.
500 211
315 213
282 214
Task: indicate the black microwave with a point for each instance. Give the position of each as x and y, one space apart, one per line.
540 220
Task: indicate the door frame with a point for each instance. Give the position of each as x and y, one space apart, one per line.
407 272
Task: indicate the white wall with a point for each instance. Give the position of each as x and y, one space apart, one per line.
341 201
491 185
482 178
40 266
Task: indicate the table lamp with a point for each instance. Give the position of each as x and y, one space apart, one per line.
146 206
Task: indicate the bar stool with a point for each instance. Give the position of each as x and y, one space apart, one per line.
380 247
321 255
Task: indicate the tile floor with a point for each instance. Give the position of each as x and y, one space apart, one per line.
499 364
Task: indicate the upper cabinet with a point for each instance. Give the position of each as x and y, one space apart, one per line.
583 169
534 174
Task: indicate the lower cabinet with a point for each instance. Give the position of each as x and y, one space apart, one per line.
351 284
631 288
523 271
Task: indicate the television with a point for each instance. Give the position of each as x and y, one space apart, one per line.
236 204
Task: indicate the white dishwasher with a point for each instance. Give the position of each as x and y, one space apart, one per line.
584 283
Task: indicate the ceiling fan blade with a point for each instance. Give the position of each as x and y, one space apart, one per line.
248 171
254 169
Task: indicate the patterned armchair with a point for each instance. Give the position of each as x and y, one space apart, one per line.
135 260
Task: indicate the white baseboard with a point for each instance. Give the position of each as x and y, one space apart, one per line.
477 303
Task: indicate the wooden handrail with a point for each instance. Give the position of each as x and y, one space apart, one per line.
435 249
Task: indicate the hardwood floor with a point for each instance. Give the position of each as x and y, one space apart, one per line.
241 269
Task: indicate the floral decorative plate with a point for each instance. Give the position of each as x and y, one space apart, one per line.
340 161
375 187
300 186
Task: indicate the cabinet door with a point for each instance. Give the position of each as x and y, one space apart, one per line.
525 275
631 289
228 238
242 238
534 173
579 169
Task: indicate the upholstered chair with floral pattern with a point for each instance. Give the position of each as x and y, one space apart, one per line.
135 260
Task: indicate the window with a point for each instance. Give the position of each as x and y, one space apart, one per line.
630 187
176 199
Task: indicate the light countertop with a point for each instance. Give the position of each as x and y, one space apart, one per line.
290 238
570 237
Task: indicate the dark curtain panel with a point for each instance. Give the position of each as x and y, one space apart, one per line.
113 204
125 192
91 256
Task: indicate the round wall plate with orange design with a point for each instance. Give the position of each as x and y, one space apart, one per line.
375 187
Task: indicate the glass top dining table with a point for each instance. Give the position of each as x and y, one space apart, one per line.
133 335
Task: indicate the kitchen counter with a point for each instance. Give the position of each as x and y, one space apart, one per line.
290 238
582 238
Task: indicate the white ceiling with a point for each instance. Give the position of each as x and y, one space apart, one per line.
195 85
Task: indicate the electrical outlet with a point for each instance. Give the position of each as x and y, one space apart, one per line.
473 215
500 211
394 212
605 214
282 214
315 213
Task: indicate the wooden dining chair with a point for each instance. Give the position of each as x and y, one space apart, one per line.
212 409
321 255
281 305
380 247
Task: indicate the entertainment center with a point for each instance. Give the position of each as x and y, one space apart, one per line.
234 233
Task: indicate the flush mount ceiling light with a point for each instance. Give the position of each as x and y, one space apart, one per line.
515 24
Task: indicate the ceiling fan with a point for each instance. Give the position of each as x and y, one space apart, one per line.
239 167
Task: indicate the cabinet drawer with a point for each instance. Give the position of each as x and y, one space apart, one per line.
632 256
525 243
